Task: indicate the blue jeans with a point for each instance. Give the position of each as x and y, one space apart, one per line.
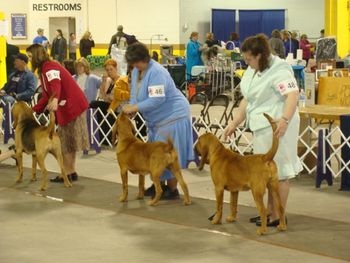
6 99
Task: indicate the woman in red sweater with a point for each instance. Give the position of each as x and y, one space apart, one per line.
69 104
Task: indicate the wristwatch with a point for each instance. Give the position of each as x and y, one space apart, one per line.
285 119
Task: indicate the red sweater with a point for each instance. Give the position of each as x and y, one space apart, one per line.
56 80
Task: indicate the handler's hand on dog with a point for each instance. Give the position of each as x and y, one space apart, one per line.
281 128
130 109
53 105
229 130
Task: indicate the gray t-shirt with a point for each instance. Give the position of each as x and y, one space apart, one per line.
277 47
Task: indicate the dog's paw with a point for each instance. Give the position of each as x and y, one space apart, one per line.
42 188
216 220
140 196
231 219
18 180
153 202
187 202
33 179
261 231
123 198
282 228
68 184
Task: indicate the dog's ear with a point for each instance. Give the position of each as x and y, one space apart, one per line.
15 116
203 151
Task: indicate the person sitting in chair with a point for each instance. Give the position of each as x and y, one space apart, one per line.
20 84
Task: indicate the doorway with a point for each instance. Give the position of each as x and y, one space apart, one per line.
66 24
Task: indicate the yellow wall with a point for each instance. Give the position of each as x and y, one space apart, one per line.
2 56
337 23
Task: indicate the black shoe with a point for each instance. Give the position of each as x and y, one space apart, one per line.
256 219
170 195
12 148
151 191
57 179
273 223
73 177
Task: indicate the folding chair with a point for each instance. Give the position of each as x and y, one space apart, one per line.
222 101
199 99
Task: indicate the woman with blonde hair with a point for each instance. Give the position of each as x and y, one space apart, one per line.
106 96
89 83
86 44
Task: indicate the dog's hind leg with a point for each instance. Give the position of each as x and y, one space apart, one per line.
57 153
176 171
274 190
156 181
219 193
34 163
40 159
233 207
19 157
258 195
141 186
124 176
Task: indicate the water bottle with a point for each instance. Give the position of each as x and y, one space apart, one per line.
302 98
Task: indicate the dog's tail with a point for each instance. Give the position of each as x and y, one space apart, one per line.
271 153
171 149
52 124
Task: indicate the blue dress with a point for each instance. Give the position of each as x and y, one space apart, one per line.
193 57
165 110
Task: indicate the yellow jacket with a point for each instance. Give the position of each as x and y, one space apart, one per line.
121 92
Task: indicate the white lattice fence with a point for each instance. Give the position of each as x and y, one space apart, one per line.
335 152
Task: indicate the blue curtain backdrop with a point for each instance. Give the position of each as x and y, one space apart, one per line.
223 22
252 22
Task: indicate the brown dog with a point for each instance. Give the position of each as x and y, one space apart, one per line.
144 158
37 140
235 173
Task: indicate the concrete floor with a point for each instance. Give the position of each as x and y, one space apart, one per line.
87 224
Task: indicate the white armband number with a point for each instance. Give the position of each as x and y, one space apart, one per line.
156 91
287 86
53 74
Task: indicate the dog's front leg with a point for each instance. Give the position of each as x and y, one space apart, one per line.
34 162
124 176
19 157
141 187
233 206
219 192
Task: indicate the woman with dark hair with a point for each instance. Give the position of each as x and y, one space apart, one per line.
234 37
269 86
193 54
276 44
59 47
165 109
68 103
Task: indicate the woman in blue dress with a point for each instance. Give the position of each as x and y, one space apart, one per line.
193 54
164 108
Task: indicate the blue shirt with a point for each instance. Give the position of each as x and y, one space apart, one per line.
157 98
193 56
40 40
